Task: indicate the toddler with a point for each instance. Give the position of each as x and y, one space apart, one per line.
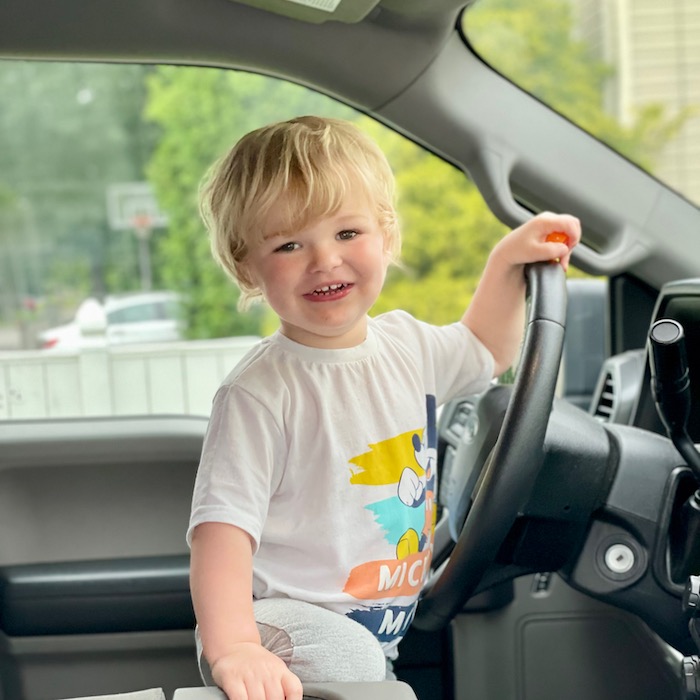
314 504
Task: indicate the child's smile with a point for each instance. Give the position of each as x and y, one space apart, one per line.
330 292
323 279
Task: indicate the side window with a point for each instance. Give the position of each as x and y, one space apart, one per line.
136 313
99 171
117 316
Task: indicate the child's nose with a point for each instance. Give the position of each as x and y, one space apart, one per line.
325 257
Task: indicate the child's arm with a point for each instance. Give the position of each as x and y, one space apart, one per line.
221 572
496 314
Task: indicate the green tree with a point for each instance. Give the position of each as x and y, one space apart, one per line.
68 131
447 232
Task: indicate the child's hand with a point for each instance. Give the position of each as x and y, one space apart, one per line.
500 294
539 239
251 672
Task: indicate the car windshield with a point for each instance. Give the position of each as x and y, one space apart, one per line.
110 302
624 70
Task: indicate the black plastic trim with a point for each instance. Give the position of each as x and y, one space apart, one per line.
94 597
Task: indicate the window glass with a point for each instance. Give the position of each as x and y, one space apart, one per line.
99 172
134 314
625 70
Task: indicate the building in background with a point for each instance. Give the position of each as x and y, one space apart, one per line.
654 46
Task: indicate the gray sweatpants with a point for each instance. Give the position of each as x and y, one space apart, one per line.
318 645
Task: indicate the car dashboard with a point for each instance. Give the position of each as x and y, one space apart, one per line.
642 514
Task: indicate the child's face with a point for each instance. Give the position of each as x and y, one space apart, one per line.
322 280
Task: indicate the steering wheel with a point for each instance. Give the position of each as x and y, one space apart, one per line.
502 478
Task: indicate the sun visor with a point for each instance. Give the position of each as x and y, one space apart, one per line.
317 11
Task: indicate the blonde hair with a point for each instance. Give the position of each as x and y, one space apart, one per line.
308 164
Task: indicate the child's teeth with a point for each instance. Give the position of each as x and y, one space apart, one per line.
328 288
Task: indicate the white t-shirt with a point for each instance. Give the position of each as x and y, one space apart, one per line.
326 458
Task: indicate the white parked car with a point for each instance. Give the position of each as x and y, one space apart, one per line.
141 317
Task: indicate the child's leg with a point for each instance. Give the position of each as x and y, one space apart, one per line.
319 645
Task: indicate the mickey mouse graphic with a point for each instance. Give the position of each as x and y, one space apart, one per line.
414 487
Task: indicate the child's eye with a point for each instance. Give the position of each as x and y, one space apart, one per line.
287 247
347 235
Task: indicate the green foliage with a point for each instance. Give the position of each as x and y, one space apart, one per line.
69 130
447 232
544 56
8 200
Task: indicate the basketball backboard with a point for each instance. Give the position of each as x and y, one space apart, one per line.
127 201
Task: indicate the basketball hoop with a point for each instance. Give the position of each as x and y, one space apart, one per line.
127 200
142 224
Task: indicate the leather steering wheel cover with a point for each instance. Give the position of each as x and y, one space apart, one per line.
512 469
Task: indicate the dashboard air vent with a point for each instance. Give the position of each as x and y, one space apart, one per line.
606 401
618 387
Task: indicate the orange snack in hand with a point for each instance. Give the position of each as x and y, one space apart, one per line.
557 237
